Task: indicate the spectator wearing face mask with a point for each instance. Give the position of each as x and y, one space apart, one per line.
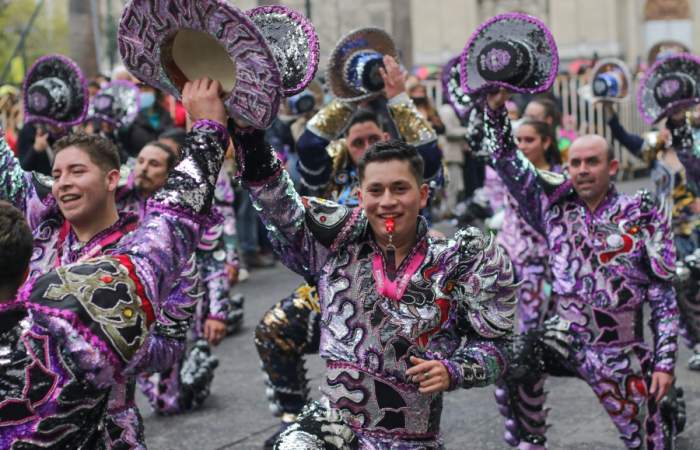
151 121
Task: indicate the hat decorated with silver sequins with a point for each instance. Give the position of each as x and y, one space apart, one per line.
670 85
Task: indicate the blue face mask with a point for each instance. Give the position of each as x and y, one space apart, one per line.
146 100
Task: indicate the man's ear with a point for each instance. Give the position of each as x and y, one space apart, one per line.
613 168
112 180
385 136
424 192
359 198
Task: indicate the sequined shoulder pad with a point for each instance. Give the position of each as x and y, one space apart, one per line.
102 298
327 221
42 184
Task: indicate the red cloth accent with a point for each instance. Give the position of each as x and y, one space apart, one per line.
140 291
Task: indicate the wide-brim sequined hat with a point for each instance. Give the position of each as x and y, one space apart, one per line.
610 80
353 68
452 91
671 84
513 51
664 49
117 103
165 43
293 41
55 92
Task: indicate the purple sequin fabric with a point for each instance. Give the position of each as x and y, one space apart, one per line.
147 26
80 373
605 264
457 305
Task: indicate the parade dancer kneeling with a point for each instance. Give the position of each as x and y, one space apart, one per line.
610 253
398 325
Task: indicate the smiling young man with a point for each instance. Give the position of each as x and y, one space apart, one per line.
72 334
403 317
609 253
330 150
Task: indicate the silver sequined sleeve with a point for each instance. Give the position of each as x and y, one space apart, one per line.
481 274
16 185
177 214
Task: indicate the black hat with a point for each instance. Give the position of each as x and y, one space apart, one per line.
513 51
669 85
55 92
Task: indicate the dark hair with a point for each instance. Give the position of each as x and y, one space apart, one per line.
93 83
101 150
177 134
16 244
545 130
172 156
363 115
550 109
393 150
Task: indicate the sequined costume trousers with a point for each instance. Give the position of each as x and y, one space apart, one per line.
287 332
618 375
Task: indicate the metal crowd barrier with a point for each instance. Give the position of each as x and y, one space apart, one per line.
588 118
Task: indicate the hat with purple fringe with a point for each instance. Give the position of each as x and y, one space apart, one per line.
671 84
117 103
452 90
165 43
55 92
513 51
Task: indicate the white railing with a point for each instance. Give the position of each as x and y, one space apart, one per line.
588 118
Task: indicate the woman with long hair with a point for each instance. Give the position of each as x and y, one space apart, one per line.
525 246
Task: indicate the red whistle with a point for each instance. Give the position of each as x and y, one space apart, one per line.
389 224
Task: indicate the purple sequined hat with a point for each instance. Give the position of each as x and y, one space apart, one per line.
353 68
117 103
670 84
294 44
512 51
166 43
55 92
452 89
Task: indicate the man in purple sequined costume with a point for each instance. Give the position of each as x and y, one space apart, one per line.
73 335
185 384
328 167
609 254
393 338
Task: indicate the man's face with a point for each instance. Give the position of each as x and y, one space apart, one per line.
151 169
589 167
81 187
361 136
389 189
535 111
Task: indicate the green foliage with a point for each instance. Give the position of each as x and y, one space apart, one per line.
49 33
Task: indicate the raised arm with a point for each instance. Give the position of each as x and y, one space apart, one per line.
687 149
23 189
303 231
525 183
315 163
110 302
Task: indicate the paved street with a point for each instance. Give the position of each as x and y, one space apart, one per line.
236 415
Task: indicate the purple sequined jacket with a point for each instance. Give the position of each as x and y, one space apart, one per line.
605 264
75 332
452 300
